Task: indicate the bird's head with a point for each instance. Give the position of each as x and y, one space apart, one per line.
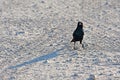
80 24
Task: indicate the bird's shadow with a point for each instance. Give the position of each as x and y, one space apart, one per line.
37 59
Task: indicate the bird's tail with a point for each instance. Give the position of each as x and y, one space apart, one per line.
72 40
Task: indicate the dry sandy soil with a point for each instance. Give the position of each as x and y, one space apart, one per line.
35 40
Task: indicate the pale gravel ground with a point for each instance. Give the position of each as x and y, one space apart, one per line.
35 40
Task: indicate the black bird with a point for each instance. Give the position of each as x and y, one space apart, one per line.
78 34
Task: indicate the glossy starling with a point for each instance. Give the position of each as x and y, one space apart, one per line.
78 34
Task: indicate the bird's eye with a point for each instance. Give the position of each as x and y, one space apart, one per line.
80 24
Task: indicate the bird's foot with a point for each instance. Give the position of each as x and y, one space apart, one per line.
84 46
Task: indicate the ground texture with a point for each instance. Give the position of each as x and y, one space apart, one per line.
35 40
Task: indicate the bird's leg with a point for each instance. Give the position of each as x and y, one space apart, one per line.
80 41
82 44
